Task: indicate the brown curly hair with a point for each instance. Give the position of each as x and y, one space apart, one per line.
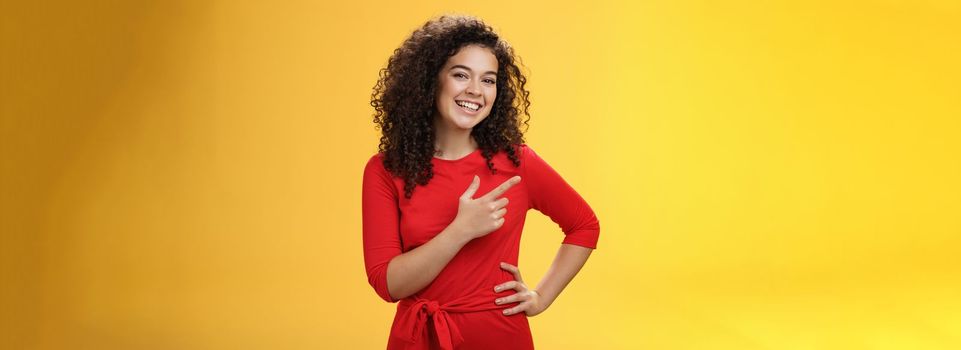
403 98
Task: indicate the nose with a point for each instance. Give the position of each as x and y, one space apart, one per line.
473 88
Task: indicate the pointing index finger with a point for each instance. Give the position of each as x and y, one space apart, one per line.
503 187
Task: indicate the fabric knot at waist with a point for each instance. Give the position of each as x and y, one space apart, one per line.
432 307
414 320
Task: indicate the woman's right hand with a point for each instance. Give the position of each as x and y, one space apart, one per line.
480 216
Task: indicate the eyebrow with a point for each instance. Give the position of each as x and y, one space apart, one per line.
471 70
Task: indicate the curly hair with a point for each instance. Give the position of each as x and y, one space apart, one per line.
404 98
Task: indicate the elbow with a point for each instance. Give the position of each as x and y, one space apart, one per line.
585 238
386 296
586 234
384 293
377 277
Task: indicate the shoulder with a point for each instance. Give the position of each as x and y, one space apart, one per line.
376 177
377 181
522 150
527 157
525 152
377 158
375 165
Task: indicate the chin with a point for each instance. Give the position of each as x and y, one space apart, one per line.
473 123
465 126
469 122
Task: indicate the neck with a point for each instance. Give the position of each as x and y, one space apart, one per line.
452 143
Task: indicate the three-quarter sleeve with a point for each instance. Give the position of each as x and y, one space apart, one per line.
551 195
381 225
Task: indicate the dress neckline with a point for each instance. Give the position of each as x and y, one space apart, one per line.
476 151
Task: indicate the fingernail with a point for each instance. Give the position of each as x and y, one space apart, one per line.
505 312
498 301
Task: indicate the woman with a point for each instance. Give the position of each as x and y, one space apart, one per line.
444 201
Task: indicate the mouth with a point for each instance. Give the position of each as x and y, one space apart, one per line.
470 107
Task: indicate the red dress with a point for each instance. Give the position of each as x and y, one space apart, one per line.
456 310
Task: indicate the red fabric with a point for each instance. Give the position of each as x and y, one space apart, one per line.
457 310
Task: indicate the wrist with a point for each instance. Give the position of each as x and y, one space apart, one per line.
457 233
543 299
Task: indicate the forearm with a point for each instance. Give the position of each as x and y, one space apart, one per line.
410 272
569 260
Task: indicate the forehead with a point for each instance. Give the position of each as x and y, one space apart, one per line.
477 58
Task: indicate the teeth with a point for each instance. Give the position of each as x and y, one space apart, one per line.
469 105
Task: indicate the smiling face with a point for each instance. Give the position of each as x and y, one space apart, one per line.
467 86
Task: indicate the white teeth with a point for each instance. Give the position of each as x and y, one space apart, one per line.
469 105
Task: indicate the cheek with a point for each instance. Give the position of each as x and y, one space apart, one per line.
447 89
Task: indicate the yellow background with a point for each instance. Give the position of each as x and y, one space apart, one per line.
768 175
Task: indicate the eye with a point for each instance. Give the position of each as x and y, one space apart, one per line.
490 81
460 75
